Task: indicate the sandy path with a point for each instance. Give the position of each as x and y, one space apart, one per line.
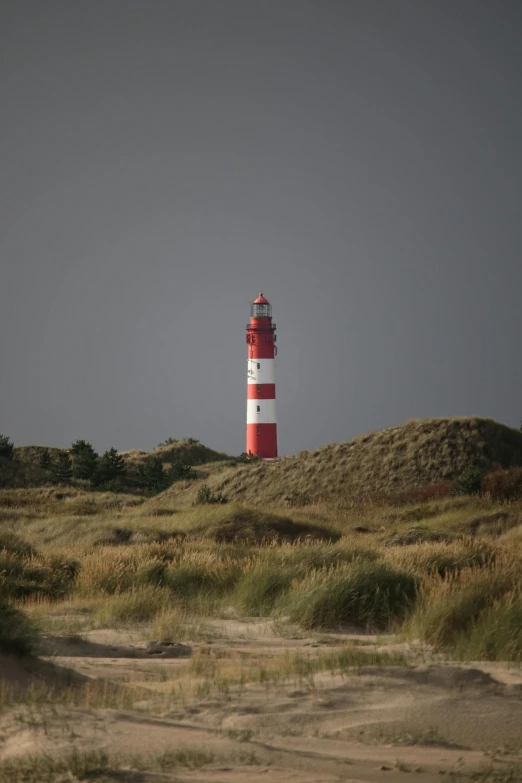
377 723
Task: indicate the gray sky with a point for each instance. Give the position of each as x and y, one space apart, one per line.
163 161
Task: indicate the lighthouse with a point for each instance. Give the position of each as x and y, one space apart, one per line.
261 434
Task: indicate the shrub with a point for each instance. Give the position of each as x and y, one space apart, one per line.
192 441
370 595
247 458
6 447
503 485
469 482
16 632
180 471
205 497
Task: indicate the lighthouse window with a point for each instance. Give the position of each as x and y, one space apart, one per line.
258 408
258 366
261 310
259 430
258 388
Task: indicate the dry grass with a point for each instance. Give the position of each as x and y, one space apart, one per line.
443 569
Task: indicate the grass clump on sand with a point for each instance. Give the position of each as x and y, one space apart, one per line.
373 596
25 573
261 586
451 606
496 635
136 605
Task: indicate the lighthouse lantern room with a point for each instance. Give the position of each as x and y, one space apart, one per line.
261 435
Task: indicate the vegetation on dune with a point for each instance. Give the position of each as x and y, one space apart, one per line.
456 589
444 454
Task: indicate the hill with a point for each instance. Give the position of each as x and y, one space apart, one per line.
414 455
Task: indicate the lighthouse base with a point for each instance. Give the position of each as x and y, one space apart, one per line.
261 439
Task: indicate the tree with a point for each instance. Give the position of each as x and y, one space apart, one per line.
78 446
45 459
192 441
110 470
153 478
61 468
85 460
6 447
179 471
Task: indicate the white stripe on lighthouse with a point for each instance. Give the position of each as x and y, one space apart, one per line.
260 371
266 413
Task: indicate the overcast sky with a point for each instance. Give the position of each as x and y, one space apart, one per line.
164 161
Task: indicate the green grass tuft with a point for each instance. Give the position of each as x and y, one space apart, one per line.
372 596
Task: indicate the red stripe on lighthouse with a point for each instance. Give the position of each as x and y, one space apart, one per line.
261 391
262 439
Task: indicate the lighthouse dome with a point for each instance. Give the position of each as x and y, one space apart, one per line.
261 307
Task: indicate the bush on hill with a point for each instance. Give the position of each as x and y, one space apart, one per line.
205 496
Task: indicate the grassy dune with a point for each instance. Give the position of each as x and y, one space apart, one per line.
414 455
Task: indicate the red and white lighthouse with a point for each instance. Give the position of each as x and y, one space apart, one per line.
261 435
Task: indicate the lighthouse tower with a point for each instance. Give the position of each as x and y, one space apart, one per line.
261 435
